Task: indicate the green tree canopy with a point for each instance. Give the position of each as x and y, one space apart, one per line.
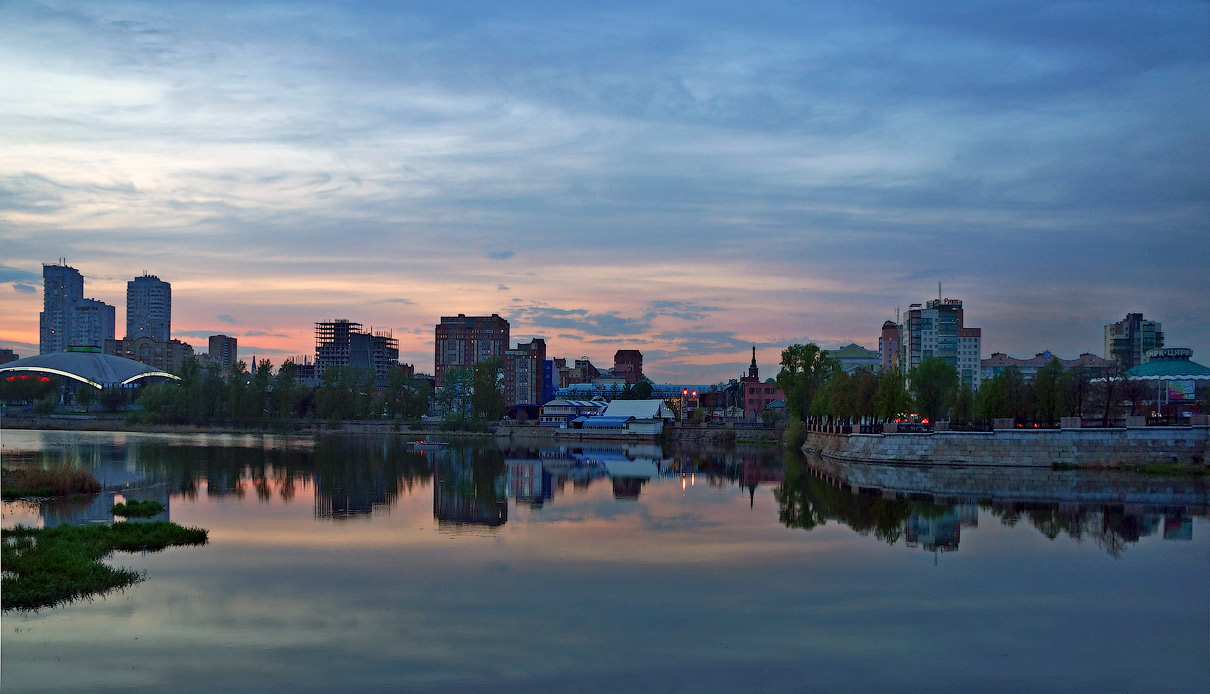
934 385
804 369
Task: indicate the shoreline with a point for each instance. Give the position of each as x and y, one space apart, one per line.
117 423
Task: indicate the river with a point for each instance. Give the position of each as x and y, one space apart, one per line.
358 564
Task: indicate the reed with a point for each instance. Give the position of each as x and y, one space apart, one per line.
55 481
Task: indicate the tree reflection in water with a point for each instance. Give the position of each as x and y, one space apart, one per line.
807 500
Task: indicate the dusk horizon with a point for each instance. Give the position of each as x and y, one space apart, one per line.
685 181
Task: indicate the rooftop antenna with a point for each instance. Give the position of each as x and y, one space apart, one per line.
938 291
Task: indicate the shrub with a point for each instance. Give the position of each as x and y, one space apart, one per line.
795 434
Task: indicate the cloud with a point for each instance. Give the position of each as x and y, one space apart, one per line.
407 302
686 310
226 318
25 288
502 288
604 323
12 274
500 255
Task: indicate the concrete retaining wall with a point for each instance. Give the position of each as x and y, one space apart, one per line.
1040 448
1004 483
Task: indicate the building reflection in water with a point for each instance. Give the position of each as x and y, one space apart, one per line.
470 490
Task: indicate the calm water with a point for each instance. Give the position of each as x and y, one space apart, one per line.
354 564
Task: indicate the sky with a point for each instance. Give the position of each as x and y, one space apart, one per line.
686 179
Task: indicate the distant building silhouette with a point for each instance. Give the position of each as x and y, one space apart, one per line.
628 364
1128 340
224 352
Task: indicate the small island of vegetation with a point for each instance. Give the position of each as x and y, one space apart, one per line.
137 509
44 567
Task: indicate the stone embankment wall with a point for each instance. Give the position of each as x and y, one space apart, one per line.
943 483
1041 448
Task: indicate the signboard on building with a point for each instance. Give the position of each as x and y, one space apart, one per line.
1181 391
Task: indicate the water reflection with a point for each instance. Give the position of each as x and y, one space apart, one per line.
810 495
356 477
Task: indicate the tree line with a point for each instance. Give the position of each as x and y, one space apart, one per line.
818 390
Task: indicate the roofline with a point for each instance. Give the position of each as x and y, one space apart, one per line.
77 377
57 372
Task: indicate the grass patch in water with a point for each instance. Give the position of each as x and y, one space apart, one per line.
1172 470
44 567
137 509
58 481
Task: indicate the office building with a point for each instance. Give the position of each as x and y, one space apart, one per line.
1128 340
937 330
463 341
148 308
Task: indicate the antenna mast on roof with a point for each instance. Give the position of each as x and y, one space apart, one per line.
938 291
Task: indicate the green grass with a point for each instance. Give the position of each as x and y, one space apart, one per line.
137 509
44 567
1172 470
58 481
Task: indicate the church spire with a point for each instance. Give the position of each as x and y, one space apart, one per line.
753 372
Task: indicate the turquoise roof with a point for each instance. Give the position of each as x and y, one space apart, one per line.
1169 369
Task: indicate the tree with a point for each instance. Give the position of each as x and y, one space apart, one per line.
487 398
964 404
113 399
86 395
1050 388
804 369
1108 393
934 384
891 399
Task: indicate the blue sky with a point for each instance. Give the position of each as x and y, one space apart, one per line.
685 179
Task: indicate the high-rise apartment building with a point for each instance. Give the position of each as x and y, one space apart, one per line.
524 383
92 323
342 342
463 341
148 308
936 330
1127 341
67 318
223 352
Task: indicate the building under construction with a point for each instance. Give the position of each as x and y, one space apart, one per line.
345 343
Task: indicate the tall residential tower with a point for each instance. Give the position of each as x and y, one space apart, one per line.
67 318
148 308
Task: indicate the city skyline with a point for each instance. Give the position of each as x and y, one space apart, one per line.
682 182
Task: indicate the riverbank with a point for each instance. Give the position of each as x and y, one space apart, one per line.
1124 447
722 434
